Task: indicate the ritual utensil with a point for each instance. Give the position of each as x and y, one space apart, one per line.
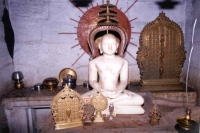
100 103
17 77
50 83
154 115
38 86
66 71
186 122
111 110
68 76
70 81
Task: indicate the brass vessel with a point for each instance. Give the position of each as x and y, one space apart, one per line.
19 85
65 72
186 122
50 83
17 77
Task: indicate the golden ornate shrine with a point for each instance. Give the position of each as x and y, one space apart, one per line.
67 109
161 55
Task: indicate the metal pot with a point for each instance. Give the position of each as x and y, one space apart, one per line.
38 86
50 83
70 81
19 85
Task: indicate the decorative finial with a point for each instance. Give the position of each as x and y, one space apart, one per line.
109 18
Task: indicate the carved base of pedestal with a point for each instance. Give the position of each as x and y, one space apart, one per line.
68 125
161 85
98 117
161 88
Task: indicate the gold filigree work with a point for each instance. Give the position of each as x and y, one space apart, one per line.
100 103
161 54
67 109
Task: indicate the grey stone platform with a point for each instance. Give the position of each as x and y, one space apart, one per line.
28 111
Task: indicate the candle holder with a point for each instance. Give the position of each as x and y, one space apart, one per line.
17 77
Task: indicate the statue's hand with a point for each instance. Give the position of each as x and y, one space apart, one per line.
111 94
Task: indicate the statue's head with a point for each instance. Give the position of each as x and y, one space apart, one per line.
108 44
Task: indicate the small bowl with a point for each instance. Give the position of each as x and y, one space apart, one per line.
50 83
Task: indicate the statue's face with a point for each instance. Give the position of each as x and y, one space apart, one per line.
109 45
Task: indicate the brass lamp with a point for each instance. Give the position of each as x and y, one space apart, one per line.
17 77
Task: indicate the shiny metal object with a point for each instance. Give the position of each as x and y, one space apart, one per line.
17 77
70 81
111 110
65 72
161 55
50 83
19 85
186 122
67 109
38 86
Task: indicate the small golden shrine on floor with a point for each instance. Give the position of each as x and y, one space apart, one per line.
67 109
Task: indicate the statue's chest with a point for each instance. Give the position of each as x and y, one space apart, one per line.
112 67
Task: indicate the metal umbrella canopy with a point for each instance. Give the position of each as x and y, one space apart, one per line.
9 33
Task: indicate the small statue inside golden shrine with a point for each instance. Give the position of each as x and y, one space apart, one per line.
67 109
154 115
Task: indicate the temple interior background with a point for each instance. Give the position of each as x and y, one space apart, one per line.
40 51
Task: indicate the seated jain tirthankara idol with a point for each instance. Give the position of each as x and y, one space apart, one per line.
104 74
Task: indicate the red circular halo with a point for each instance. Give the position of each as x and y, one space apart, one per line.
90 19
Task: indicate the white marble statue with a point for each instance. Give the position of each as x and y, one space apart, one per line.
113 79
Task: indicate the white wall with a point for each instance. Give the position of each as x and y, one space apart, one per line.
6 67
192 13
41 52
